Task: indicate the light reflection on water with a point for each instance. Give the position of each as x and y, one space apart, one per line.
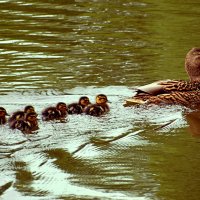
86 156
60 50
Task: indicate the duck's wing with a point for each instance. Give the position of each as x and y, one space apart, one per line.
189 99
167 86
154 90
143 93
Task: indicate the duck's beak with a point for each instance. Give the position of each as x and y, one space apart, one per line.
109 101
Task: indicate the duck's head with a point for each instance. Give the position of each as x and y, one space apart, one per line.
29 109
61 107
3 112
84 101
31 117
101 99
192 64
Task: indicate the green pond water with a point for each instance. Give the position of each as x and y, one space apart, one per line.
53 51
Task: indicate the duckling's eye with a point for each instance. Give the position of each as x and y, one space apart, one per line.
32 117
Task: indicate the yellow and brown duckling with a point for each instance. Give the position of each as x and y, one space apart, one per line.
19 115
78 108
179 92
3 114
27 124
55 113
99 108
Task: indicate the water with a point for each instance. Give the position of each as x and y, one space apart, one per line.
53 51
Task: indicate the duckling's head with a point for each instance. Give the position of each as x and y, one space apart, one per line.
29 108
3 112
101 99
84 101
31 117
61 106
192 64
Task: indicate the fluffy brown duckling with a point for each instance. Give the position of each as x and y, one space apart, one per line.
3 114
99 108
55 113
186 93
78 108
19 115
28 124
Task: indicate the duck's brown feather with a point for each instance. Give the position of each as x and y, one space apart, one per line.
167 92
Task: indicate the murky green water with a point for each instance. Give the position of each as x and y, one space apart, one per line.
53 51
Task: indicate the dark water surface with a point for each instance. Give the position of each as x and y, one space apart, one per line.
53 51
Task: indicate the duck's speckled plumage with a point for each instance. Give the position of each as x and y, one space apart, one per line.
186 93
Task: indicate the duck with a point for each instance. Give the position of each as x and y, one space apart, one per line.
78 108
173 92
59 112
3 114
101 106
29 108
19 115
27 124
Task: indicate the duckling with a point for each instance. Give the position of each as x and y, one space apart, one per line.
55 113
19 115
3 114
28 124
186 93
101 107
78 108
29 108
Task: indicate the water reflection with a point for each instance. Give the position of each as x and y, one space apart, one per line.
60 50
193 119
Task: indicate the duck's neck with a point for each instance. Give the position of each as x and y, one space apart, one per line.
195 79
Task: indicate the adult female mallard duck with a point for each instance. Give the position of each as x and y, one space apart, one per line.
78 108
3 114
186 93
59 112
28 124
99 108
